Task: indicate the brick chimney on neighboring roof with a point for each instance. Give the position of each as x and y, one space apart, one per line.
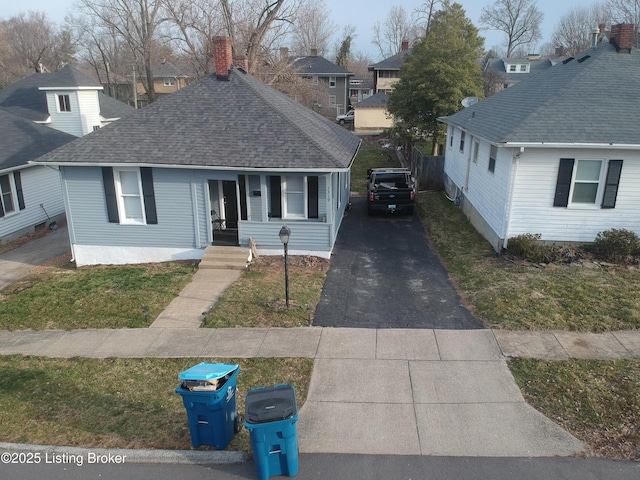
222 56
404 46
622 36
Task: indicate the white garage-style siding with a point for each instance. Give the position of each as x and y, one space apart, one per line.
533 210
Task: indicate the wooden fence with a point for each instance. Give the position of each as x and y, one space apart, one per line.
427 169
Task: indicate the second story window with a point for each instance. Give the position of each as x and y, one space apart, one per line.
332 82
64 103
462 135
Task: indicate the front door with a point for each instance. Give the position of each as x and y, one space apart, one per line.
230 202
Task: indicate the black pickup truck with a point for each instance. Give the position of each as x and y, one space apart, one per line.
390 190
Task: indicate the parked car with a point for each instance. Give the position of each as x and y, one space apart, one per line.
347 117
390 190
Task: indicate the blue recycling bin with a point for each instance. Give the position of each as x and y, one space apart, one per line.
271 414
208 392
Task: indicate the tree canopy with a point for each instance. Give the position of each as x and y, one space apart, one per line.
440 71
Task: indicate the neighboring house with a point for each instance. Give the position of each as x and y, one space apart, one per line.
38 114
332 80
66 100
506 72
238 161
387 72
30 196
557 154
167 79
372 114
359 89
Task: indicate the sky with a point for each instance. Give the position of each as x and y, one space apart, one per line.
362 14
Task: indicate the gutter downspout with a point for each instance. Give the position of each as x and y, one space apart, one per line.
509 207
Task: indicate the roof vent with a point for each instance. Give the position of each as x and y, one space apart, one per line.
580 60
567 60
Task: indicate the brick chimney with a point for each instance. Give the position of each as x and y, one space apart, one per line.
622 36
241 62
222 56
404 46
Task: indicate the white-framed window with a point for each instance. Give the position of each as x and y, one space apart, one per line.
332 101
64 103
524 68
587 183
332 82
169 82
451 135
129 196
462 138
294 196
476 147
512 68
493 154
587 178
8 204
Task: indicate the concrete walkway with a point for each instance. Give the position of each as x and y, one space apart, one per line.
377 391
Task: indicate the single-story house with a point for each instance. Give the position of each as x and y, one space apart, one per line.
372 113
30 195
38 114
227 158
556 154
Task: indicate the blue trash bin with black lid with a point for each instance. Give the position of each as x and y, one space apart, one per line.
271 414
208 392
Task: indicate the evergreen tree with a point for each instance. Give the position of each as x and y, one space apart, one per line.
342 59
441 70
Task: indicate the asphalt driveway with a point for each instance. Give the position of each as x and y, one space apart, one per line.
384 274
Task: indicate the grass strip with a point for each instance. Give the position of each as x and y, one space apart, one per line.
597 401
119 403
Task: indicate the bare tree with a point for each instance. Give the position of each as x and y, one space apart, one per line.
256 26
519 20
426 11
574 31
627 11
312 29
32 37
192 25
397 27
136 22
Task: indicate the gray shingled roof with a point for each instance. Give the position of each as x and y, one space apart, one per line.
379 99
237 123
590 99
392 63
25 99
22 140
314 65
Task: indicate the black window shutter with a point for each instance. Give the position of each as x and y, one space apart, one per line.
242 184
18 179
110 194
563 185
276 196
312 196
146 175
611 184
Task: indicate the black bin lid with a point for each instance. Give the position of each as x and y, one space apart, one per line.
270 404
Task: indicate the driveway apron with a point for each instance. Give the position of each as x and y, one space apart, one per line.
384 274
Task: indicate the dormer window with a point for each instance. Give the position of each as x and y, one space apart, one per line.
168 82
64 103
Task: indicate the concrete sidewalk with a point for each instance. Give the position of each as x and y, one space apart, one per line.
377 391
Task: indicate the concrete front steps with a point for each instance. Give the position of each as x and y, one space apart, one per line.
223 258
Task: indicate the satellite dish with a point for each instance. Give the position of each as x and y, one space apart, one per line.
467 102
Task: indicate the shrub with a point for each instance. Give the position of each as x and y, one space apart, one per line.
616 244
528 247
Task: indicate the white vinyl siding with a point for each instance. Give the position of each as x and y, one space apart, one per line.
534 190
